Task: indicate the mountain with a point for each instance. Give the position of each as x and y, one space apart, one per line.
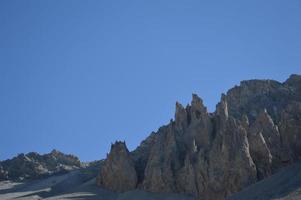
254 132
248 146
34 165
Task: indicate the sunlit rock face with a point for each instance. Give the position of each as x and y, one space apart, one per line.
35 166
255 130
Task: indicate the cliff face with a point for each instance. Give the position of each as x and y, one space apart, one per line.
255 130
118 171
34 165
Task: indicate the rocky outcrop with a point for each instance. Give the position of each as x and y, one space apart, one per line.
255 130
34 165
199 128
230 166
290 127
164 159
141 154
265 129
118 172
260 153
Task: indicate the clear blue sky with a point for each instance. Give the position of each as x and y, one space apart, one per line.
78 75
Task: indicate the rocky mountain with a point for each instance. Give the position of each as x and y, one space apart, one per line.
34 165
254 132
250 145
118 162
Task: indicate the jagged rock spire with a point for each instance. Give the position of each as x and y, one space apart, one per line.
221 114
180 116
195 111
222 108
118 172
197 107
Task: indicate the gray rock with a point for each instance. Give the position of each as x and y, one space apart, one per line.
35 166
255 131
118 171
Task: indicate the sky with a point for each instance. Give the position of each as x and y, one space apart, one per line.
78 75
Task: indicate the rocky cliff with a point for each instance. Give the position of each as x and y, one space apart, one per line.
118 162
255 131
34 165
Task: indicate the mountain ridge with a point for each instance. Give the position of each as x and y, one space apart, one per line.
36 166
254 132
251 134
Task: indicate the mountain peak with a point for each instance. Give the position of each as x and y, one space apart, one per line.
214 155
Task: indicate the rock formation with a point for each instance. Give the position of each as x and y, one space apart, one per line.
118 171
34 165
255 130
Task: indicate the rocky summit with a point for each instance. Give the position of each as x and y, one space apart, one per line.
36 166
254 132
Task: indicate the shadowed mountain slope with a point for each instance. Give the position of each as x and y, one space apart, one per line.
284 185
